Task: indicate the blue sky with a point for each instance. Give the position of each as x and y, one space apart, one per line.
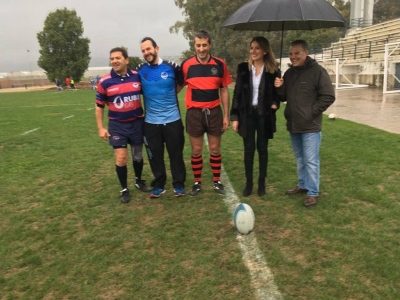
107 24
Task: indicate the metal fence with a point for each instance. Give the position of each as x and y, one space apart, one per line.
22 79
355 50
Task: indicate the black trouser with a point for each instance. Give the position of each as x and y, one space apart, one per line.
255 123
155 135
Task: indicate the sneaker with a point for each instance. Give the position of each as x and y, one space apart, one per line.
195 189
124 197
141 185
179 192
219 187
156 192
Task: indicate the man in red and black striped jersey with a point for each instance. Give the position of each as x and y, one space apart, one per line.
120 91
207 79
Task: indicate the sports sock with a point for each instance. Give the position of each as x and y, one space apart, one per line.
122 173
197 167
215 164
138 168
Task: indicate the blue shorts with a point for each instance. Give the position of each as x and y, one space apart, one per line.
125 133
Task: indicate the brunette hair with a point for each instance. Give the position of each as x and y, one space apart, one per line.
270 64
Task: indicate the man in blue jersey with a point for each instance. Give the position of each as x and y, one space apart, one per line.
120 91
163 123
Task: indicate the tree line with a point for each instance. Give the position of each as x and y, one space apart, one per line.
64 52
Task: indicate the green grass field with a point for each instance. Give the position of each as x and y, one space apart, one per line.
64 234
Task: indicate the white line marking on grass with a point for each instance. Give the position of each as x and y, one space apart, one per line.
39 106
71 116
261 276
89 109
29 131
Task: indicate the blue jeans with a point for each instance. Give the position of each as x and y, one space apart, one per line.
306 150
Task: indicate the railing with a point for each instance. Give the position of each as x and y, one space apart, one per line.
14 82
360 22
350 50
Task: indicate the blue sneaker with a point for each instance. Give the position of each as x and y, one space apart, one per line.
179 192
156 192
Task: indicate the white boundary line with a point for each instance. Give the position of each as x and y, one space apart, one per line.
29 131
261 275
39 106
71 116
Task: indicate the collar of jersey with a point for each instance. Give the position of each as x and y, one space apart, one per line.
202 62
115 75
159 62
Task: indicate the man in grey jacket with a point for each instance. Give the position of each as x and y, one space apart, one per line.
308 91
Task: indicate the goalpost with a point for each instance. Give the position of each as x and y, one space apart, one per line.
340 70
391 84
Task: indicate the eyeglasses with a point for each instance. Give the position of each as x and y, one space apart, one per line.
295 53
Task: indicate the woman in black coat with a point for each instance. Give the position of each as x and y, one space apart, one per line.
254 104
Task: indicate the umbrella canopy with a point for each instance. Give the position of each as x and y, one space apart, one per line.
274 15
280 15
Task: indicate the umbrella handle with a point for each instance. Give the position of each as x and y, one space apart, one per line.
280 56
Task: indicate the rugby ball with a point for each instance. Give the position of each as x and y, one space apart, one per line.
243 218
332 117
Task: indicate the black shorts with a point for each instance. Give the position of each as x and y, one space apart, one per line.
125 133
199 121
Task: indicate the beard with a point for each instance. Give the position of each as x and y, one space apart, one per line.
151 59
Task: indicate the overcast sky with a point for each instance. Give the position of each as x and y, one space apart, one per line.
107 23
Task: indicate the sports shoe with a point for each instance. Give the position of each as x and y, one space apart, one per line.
124 197
219 187
196 188
156 192
141 185
179 192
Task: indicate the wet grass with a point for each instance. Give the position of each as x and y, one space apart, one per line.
65 235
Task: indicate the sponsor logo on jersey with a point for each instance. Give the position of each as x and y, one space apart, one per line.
164 75
126 101
214 71
135 85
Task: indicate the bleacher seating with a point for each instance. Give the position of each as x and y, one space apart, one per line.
367 42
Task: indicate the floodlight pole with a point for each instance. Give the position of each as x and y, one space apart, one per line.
30 68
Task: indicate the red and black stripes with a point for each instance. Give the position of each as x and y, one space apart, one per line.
197 167
215 164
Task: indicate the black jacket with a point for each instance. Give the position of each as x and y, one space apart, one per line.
243 95
308 92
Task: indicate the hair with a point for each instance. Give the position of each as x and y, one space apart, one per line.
153 42
301 43
269 58
203 34
120 49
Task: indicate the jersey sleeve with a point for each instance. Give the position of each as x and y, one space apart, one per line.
101 95
226 80
178 74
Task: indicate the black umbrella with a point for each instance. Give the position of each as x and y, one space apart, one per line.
280 15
